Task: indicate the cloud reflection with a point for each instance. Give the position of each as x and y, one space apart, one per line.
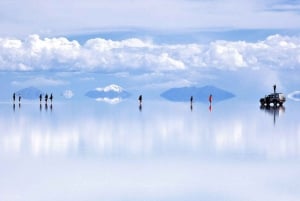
162 132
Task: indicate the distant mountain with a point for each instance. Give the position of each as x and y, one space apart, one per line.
30 93
109 92
200 94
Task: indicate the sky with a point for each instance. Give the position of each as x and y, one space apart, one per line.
19 18
166 43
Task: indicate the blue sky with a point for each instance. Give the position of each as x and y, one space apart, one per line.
63 17
153 44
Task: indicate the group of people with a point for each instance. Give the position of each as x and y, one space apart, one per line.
41 98
46 98
14 98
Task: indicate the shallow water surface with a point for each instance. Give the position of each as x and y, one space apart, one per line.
163 151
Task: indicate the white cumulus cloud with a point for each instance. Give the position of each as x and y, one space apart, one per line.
61 54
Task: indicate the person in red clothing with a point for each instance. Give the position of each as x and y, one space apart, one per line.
210 98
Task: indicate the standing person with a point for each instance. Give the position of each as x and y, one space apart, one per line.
210 98
140 101
51 98
14 97
46 98
20 99
274 88
191 100
41 97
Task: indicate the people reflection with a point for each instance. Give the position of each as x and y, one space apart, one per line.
46 106
14 107
273 110
40 106
51 107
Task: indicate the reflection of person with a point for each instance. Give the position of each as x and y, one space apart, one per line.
274 87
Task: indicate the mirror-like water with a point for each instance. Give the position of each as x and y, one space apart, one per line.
163 151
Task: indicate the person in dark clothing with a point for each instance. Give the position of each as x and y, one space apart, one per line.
41 97
20 99
46 98
14 97
140 99
274 88
51 97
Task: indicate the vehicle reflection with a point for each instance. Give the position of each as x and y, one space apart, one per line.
275 111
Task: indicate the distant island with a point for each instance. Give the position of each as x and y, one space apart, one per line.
109 92
295 96
30 93
200 94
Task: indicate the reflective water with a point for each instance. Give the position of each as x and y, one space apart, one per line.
162 151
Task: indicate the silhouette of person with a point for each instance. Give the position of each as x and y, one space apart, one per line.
51 97
14 97
20 99
41 97
210 98
274 88
191 101
46 98
140 99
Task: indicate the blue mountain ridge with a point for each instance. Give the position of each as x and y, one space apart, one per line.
30 93
200 94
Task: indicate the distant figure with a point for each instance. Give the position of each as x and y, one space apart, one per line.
51 98
41 97
191 101
14 97
140 102
19 99
274 88
46 98
210 98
